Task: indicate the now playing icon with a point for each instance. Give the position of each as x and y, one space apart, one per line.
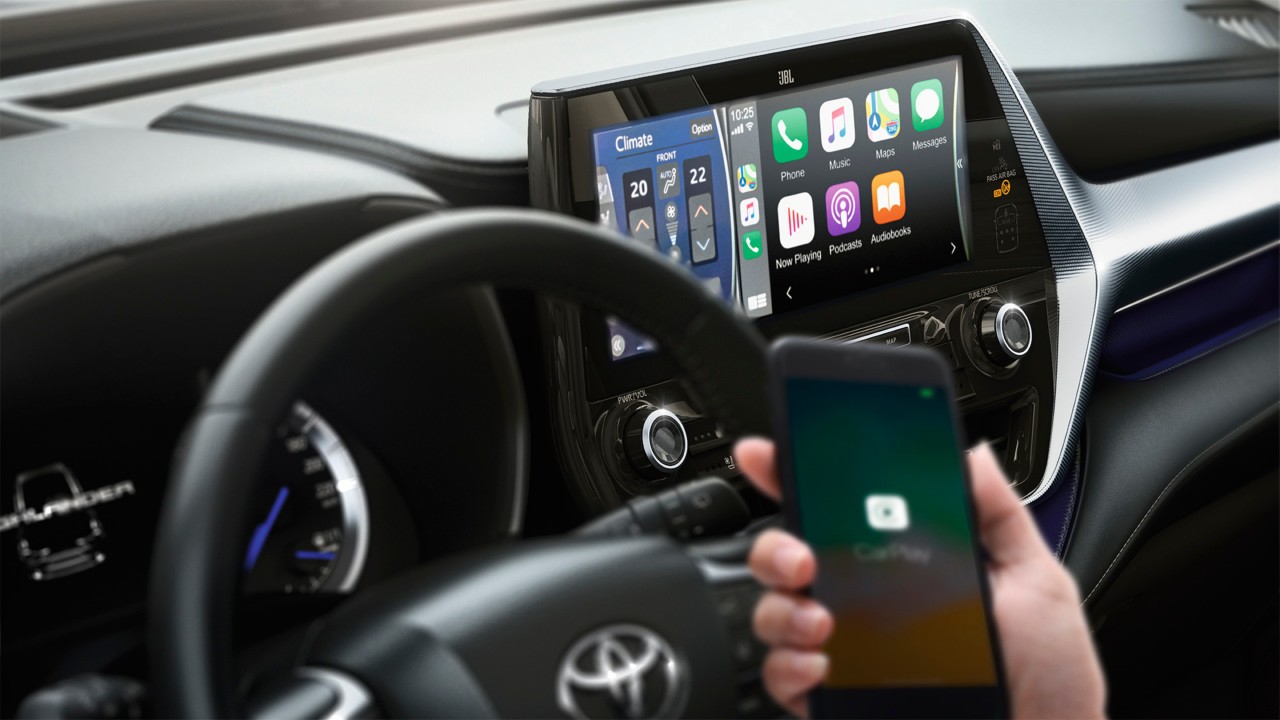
795 220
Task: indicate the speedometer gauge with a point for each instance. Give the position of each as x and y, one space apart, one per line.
312 533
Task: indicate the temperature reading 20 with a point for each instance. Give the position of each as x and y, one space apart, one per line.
784 77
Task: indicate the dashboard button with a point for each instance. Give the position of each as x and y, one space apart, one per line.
896 336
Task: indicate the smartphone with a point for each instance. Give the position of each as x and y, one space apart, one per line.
873 478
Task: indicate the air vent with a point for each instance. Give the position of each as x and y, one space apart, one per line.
1256 23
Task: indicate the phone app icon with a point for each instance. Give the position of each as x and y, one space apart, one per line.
790 135
887 512
844 214
749 211
751 245
835 118
888 197
883 120
795 220
748 178
926 105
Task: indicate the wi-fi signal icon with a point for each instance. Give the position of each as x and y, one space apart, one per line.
750 125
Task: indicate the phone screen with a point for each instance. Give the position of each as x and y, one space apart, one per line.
882 499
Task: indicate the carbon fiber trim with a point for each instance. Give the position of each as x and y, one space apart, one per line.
1101 237
1073 303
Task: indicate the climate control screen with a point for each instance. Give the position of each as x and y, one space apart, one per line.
797 197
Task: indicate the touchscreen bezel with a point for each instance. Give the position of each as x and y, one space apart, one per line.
563 116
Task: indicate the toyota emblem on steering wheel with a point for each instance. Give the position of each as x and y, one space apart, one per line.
622 671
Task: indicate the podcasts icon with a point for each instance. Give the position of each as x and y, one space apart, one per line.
844 215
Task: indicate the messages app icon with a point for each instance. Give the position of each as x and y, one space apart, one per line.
790 135
926 105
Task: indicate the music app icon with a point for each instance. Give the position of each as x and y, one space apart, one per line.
835 121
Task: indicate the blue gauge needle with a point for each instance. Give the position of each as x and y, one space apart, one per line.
261 532
314 555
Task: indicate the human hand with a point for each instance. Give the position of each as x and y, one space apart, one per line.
1051 669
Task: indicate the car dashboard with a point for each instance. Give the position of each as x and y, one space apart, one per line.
937 179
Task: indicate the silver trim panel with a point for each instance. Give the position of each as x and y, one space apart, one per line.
719 573
353 699
1125 225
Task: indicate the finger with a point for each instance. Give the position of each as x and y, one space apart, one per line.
779 560
789 675
1007 529
791 621
757 458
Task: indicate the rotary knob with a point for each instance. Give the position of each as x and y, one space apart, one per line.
1004 332
655 442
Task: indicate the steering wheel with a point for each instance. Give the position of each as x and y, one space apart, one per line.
584 627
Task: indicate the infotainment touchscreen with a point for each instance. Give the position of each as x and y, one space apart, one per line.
800 196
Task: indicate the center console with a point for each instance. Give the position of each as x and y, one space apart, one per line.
864 186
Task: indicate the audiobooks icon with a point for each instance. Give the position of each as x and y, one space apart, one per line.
889 195
795 220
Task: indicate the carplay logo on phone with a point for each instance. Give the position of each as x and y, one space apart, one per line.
887 512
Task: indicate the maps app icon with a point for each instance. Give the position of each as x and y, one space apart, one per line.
747 177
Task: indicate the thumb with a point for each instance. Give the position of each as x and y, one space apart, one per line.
1008 531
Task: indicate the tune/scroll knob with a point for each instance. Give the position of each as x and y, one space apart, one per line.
655 442
1004 332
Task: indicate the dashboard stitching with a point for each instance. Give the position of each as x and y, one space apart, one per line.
1061 545
1198 356
1170 485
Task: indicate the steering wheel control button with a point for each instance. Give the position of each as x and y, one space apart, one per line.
655 441
622 671
1004 331
754 702
748 651
736 603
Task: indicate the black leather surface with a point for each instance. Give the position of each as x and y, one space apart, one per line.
1144 437
69 196
206 508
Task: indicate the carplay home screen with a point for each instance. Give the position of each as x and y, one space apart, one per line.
882 501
